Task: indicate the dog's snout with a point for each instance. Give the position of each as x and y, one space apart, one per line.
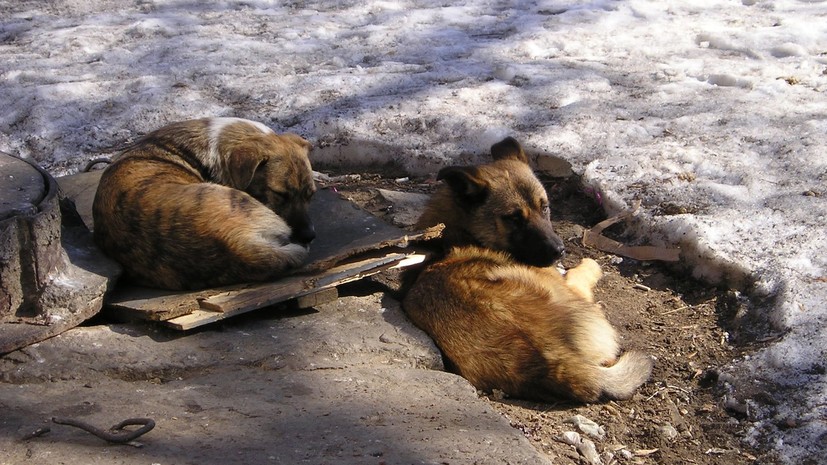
553 251
559 247
303 235
538 245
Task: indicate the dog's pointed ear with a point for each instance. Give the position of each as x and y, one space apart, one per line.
508 148
243 164
298 140
465 182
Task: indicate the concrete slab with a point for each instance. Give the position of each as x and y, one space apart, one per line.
351 383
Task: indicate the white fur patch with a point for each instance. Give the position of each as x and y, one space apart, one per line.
215 128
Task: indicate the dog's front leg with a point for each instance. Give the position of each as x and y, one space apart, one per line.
582 278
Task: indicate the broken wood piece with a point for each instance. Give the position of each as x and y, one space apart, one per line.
143 303
593 238
362 246
266 294
317 298
189 309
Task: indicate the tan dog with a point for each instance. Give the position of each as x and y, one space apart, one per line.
207 202
502 317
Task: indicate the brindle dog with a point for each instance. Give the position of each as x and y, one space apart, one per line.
207 202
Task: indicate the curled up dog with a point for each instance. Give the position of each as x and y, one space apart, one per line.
205 203
502 315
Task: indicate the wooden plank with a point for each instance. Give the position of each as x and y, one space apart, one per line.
343 229
227 304
263 295
135 302
318 298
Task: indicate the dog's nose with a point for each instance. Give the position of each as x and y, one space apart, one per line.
303 235
555 252
560 249
555 247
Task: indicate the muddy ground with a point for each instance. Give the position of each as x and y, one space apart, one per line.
680 416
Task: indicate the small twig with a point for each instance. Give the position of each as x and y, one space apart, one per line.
669 387
659 390
678 388
675 310
115 434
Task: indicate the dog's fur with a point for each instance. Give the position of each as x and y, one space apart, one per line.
503 318
207 202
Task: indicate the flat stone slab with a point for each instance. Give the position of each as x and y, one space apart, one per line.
352 383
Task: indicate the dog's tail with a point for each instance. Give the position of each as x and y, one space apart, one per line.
621 380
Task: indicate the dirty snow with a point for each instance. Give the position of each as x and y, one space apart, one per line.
711 113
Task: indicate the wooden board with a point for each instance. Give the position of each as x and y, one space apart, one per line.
226 304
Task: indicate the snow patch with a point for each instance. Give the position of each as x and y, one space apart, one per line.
709 112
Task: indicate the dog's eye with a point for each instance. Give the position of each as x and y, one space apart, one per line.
279 197
515 218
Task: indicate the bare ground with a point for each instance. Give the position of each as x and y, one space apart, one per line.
680 416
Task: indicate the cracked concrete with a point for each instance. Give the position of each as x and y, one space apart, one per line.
352 382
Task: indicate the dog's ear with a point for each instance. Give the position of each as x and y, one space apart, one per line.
243 165
508 148
465 182
298 140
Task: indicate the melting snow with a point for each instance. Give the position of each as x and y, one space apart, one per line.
715 107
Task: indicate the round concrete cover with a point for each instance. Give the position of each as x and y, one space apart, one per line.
21 187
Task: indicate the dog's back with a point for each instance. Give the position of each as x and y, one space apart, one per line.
522 330
177 217
501 322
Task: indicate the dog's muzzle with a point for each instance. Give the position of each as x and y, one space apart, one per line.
537 246
303 235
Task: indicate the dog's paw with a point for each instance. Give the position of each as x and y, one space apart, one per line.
582 278
590 268
294 253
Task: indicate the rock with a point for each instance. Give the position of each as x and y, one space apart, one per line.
587 427
407 206
554 166
587 449
307 387
571 438
733 405
667 431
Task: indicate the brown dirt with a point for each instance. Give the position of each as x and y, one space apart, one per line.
657 309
